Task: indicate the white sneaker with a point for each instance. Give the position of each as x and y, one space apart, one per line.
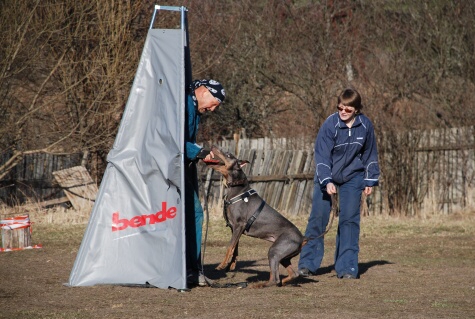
196 278
204 281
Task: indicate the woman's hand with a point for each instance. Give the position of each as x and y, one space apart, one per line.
368 190
331 189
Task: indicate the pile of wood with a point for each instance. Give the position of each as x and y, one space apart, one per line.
78 186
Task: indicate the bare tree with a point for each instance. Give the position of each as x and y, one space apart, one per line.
23 78
66 68
67 72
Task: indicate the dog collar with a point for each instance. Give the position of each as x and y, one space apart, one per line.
237 183
244 196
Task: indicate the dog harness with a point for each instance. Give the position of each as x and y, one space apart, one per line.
254 216
245 197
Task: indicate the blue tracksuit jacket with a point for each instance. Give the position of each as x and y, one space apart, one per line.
192 119
342 152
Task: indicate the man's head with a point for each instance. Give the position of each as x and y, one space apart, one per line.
209 94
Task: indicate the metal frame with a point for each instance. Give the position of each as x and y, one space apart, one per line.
181 9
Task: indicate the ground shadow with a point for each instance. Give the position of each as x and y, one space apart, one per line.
248 268
363 267
254 275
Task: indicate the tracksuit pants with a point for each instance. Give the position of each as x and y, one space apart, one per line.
347 238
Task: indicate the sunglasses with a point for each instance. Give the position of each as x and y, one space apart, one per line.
346 109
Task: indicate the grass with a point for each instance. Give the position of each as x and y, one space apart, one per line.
414 268
441 304
62 218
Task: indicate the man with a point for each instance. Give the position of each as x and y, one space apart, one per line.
202 96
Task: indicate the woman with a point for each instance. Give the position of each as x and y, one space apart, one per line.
346 162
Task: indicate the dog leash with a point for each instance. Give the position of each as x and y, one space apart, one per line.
208 281
334 212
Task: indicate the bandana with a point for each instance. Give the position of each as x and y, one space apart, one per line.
214 87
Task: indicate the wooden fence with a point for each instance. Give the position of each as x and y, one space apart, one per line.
444 168
284 178
432 173
33 177
435 176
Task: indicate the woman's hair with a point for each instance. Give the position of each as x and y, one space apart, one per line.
350 97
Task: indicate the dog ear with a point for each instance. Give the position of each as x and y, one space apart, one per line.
242 163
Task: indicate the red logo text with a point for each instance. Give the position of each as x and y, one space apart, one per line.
139 221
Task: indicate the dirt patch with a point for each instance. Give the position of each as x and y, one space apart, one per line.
409 269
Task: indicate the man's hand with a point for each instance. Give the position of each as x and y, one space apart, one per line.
209 157
211 160
203 153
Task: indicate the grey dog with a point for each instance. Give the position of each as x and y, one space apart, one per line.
247 213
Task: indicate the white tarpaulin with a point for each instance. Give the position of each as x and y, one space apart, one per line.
136 231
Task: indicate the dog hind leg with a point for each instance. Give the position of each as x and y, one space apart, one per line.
291 274
282 251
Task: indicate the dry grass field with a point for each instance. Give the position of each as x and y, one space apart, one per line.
410 268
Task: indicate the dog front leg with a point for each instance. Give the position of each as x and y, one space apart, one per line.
237 232
232 265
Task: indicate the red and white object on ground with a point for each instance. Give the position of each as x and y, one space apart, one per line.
16 233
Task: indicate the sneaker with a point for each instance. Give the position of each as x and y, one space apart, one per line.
347 276
203 281
195 278
304 272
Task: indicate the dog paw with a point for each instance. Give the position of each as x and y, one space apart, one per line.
264 284
231 266
221 266
258 285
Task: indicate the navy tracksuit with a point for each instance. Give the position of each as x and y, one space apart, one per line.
348 158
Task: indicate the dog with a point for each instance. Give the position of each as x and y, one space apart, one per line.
247 213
